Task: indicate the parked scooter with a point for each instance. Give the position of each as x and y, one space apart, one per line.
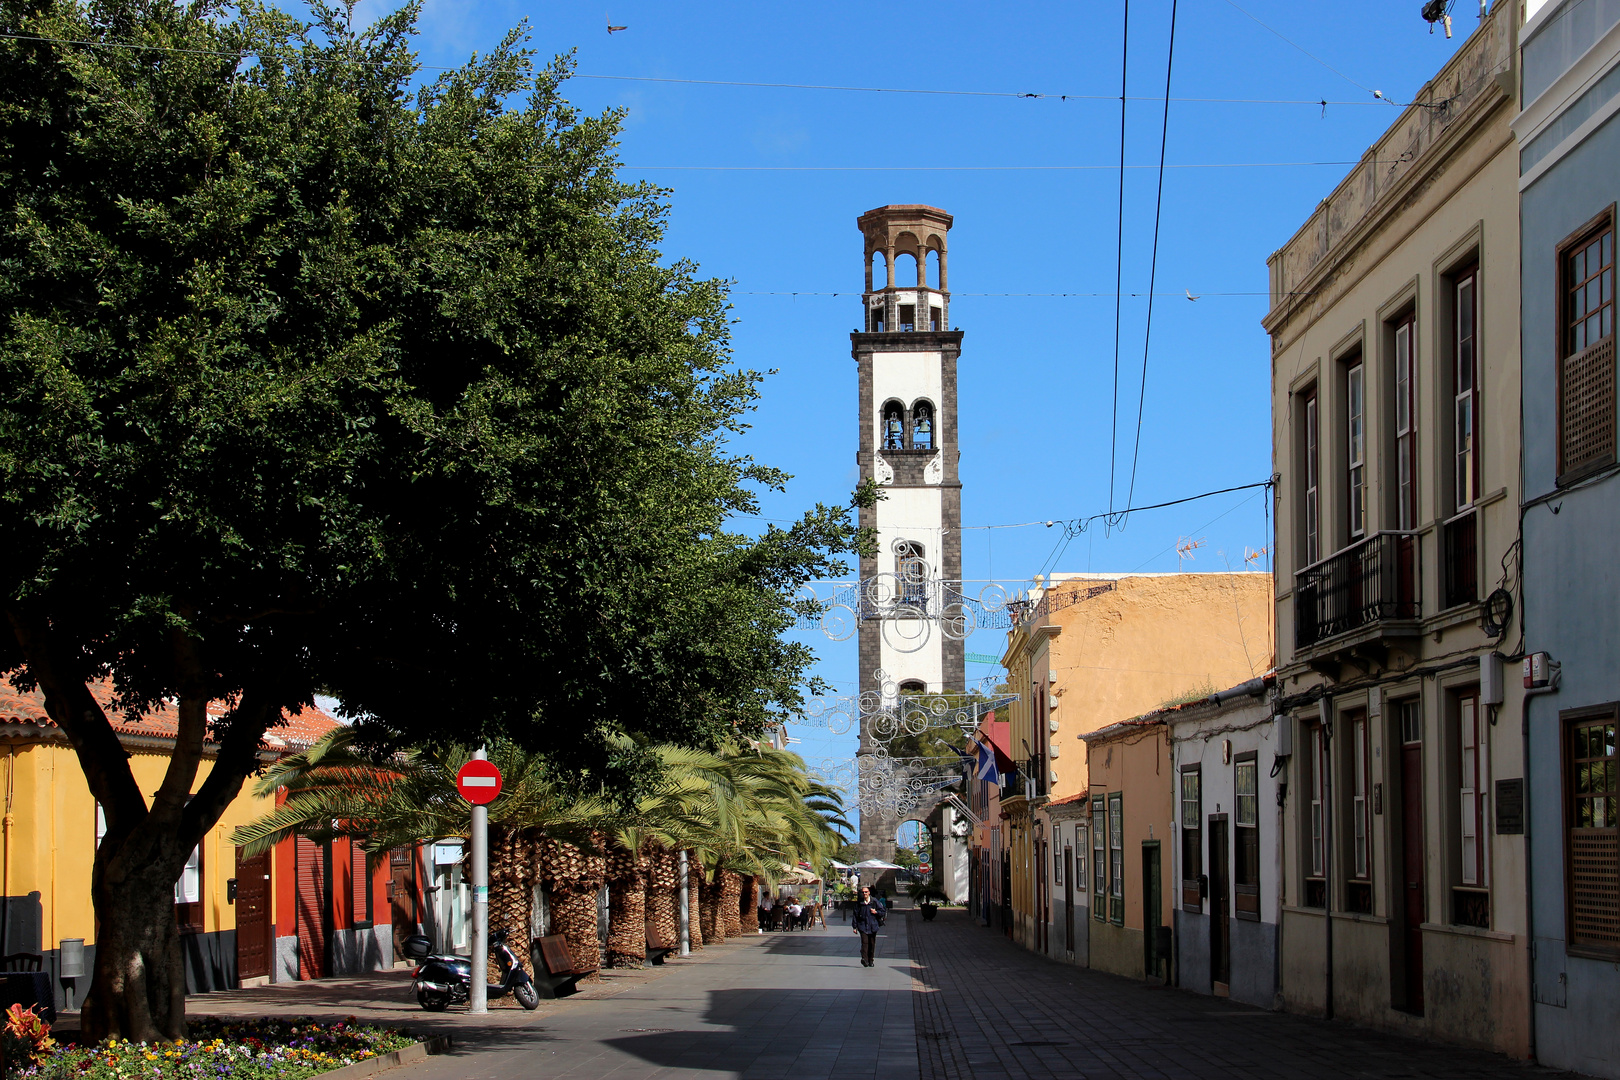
442 981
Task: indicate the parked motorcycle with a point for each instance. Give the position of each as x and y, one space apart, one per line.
442 981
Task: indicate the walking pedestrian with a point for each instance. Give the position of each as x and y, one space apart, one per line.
869 917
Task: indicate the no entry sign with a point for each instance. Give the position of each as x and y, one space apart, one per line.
924 868
479 782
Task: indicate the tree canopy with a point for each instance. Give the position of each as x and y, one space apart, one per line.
316 379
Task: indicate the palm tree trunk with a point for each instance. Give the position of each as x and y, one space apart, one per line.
694 899
750 904
574 878
731 890
663 900
511 879
627 910
714 923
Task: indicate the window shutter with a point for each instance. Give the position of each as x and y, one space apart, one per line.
1586 408
361 883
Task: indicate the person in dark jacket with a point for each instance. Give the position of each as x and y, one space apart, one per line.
869 916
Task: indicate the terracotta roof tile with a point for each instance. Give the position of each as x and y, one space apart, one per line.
28 709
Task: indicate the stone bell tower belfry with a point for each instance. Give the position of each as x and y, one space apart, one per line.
905 357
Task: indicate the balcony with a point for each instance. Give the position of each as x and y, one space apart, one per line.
1371 583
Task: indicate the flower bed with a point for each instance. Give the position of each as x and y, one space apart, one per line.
247 1049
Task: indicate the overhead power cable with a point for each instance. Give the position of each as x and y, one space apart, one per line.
934 92
1119 250
1153 268
994 168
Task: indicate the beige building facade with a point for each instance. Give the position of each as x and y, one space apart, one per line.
1395 402
1087 651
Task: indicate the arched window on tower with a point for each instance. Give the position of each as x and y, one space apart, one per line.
922 426
894 426
913 688
911 566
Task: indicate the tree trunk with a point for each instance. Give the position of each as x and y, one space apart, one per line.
627 910
694 899
511 881
731 890
750 905
713 922
138 988
663 900
574 877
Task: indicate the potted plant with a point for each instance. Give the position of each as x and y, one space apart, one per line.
927 895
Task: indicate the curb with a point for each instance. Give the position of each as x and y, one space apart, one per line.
438 1044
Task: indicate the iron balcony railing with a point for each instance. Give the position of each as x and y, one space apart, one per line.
1371 581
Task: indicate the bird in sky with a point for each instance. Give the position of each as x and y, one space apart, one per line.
614 29
1190 296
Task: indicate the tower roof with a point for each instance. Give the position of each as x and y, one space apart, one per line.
904 214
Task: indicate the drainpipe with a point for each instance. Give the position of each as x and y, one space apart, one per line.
1529 869
5 885
1326 765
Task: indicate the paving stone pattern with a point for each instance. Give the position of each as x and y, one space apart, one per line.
766 1007
987 1009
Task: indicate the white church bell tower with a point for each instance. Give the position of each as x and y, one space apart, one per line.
906 361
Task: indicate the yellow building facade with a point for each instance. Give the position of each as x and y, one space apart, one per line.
1087 651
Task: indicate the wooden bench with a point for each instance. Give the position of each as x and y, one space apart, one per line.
656 954
555 975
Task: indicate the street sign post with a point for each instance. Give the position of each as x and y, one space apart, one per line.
479 782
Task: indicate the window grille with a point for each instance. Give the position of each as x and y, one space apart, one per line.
1586 377
1246 880
1116 859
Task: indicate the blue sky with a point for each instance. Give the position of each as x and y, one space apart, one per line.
771 181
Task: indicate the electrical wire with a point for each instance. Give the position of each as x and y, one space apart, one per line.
996 168
1119 253
1015 94
1360 85
1153 269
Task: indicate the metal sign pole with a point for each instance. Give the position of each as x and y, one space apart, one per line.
478 986
686 908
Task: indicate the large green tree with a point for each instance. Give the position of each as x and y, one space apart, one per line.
312 380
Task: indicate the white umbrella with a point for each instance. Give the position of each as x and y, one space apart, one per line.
876 864
840 865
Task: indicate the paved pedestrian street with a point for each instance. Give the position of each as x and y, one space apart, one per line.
947 1000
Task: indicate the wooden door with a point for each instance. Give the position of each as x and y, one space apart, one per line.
312 904
253 944
1220 901
1412 884
1068 900
402 896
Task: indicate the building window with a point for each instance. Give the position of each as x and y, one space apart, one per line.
360 880
911 567
1470 904
894 426
922 426
1405 427
1312 474
1586 374
188 912
1592 800
1355 434
1099 860
1080 861
1192 839
874 319
908 318
935 318
1246 880
1465 391
1316 878
1116 859
1358 893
